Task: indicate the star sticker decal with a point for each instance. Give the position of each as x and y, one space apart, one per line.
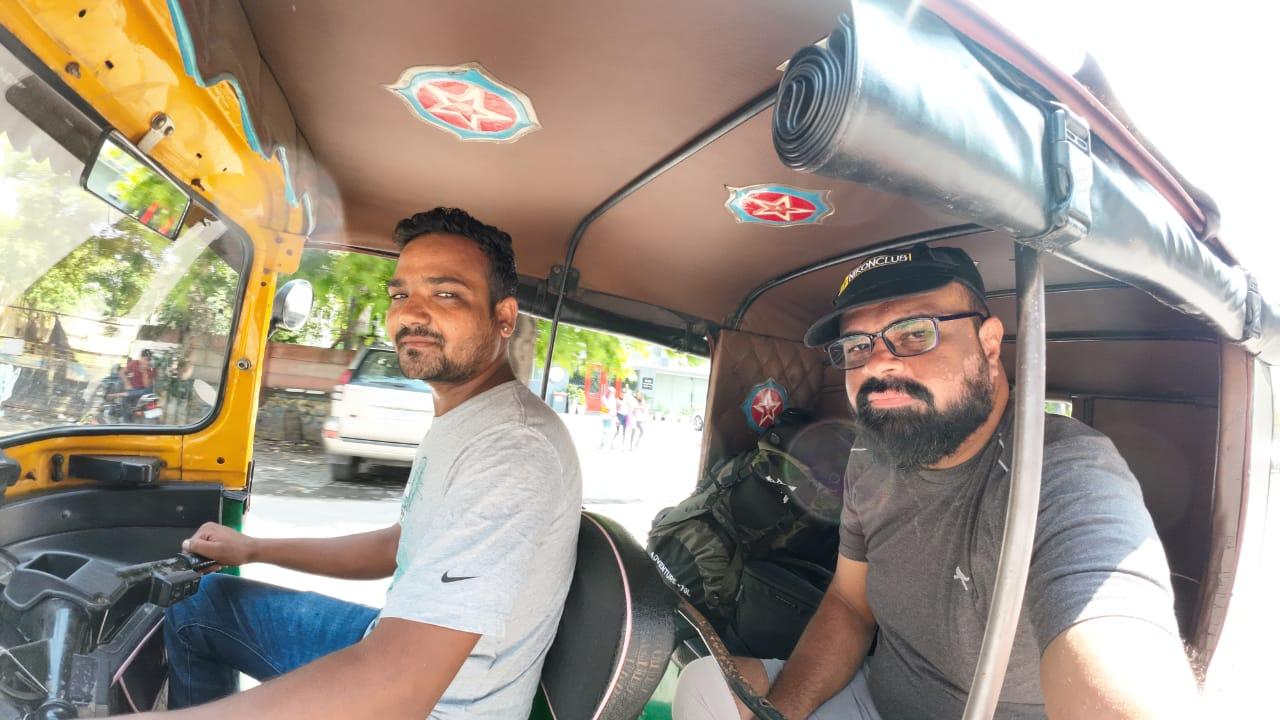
781 208
468 106
764 404
778 205
466 102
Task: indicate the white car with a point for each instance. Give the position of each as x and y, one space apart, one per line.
378 415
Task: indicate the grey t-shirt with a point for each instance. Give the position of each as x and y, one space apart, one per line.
488 537
932 543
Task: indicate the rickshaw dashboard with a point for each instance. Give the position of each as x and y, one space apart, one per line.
82 595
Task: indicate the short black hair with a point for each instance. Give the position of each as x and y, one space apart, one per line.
975 302
495 243
146 353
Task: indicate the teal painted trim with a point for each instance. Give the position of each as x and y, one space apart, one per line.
249 133
309 214
187 48
290 195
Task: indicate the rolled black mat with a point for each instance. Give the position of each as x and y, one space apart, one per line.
899 103
811 100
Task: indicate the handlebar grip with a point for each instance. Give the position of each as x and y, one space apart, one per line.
196 561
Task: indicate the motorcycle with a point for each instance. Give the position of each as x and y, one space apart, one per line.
119 406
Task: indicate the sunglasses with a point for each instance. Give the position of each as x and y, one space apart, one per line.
904 338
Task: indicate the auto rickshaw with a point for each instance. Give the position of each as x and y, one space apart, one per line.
666 173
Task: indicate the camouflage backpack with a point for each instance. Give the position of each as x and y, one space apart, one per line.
778 503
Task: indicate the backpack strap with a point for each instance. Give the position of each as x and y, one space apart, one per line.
761 706
767 449
690 507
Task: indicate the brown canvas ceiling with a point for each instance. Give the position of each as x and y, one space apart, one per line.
616 86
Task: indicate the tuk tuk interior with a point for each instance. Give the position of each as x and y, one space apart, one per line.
619 193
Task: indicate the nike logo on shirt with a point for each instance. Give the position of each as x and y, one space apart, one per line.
446 579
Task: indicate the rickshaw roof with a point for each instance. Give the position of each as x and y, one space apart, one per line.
616 88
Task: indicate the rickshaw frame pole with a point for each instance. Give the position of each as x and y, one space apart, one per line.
753 107
1024 490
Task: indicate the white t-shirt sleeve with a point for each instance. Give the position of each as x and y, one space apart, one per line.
471 564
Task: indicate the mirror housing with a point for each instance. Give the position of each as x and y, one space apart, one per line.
127 180
10 472
292 306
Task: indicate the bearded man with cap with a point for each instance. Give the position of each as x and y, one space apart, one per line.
925 497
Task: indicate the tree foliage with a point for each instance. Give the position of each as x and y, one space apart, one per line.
346 284
203 300
114 268
576 348
149 196
72 254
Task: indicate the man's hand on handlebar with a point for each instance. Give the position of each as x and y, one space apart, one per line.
223 545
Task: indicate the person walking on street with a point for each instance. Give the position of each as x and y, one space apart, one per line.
609 411
625 407
638 415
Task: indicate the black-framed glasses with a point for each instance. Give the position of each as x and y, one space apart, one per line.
904 338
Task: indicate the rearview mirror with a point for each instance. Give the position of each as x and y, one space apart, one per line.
292 306
129 182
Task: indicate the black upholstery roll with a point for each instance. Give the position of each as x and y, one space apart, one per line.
898 102
811 100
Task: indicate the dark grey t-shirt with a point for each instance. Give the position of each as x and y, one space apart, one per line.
932 542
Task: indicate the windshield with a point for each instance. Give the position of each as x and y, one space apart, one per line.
103 321
382 367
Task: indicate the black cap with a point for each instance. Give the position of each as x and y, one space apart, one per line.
895 274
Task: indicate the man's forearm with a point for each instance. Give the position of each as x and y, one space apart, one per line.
365 556
400 671
825 659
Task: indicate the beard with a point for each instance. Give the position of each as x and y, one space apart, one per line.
912 439
437 363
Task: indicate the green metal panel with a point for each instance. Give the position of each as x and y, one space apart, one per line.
658 707
232 517
540 709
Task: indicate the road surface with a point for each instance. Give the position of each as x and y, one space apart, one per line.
293 495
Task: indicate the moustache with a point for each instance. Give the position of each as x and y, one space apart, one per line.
418 331
902 385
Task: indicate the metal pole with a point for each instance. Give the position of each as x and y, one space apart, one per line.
1024 491
753 107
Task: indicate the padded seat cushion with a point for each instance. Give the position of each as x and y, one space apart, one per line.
617 632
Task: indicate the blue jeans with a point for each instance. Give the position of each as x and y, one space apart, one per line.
233 626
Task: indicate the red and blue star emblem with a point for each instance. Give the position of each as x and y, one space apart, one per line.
778 205
764 404
467 102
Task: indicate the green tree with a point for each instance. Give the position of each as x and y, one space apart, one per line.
345 284
113 268
203 300
65 247
578 347
148 195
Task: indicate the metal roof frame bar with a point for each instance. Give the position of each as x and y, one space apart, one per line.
753 107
